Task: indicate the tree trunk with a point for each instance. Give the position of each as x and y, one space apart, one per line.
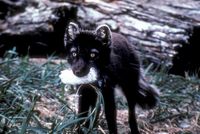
36 30
157 31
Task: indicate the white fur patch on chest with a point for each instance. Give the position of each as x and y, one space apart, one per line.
67 77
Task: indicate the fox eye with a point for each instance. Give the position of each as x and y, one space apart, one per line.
74 54
92 55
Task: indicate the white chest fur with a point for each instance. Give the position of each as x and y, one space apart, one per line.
68 77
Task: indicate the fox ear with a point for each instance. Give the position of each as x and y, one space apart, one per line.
104 32
70 33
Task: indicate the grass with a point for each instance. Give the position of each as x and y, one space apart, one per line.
33 100
179 109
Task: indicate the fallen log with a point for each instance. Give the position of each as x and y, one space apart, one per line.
38 29
157 32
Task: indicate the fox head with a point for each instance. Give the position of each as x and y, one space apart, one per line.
87 49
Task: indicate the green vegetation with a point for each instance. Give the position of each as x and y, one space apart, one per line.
32 97
33 100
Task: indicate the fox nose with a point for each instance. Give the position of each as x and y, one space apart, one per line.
81 72
77 72
80 69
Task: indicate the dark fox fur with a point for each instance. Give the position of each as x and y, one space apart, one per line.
116 63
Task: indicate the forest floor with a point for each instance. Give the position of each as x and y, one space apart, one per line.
33 100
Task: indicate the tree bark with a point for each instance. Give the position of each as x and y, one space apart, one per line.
38 29
155 31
